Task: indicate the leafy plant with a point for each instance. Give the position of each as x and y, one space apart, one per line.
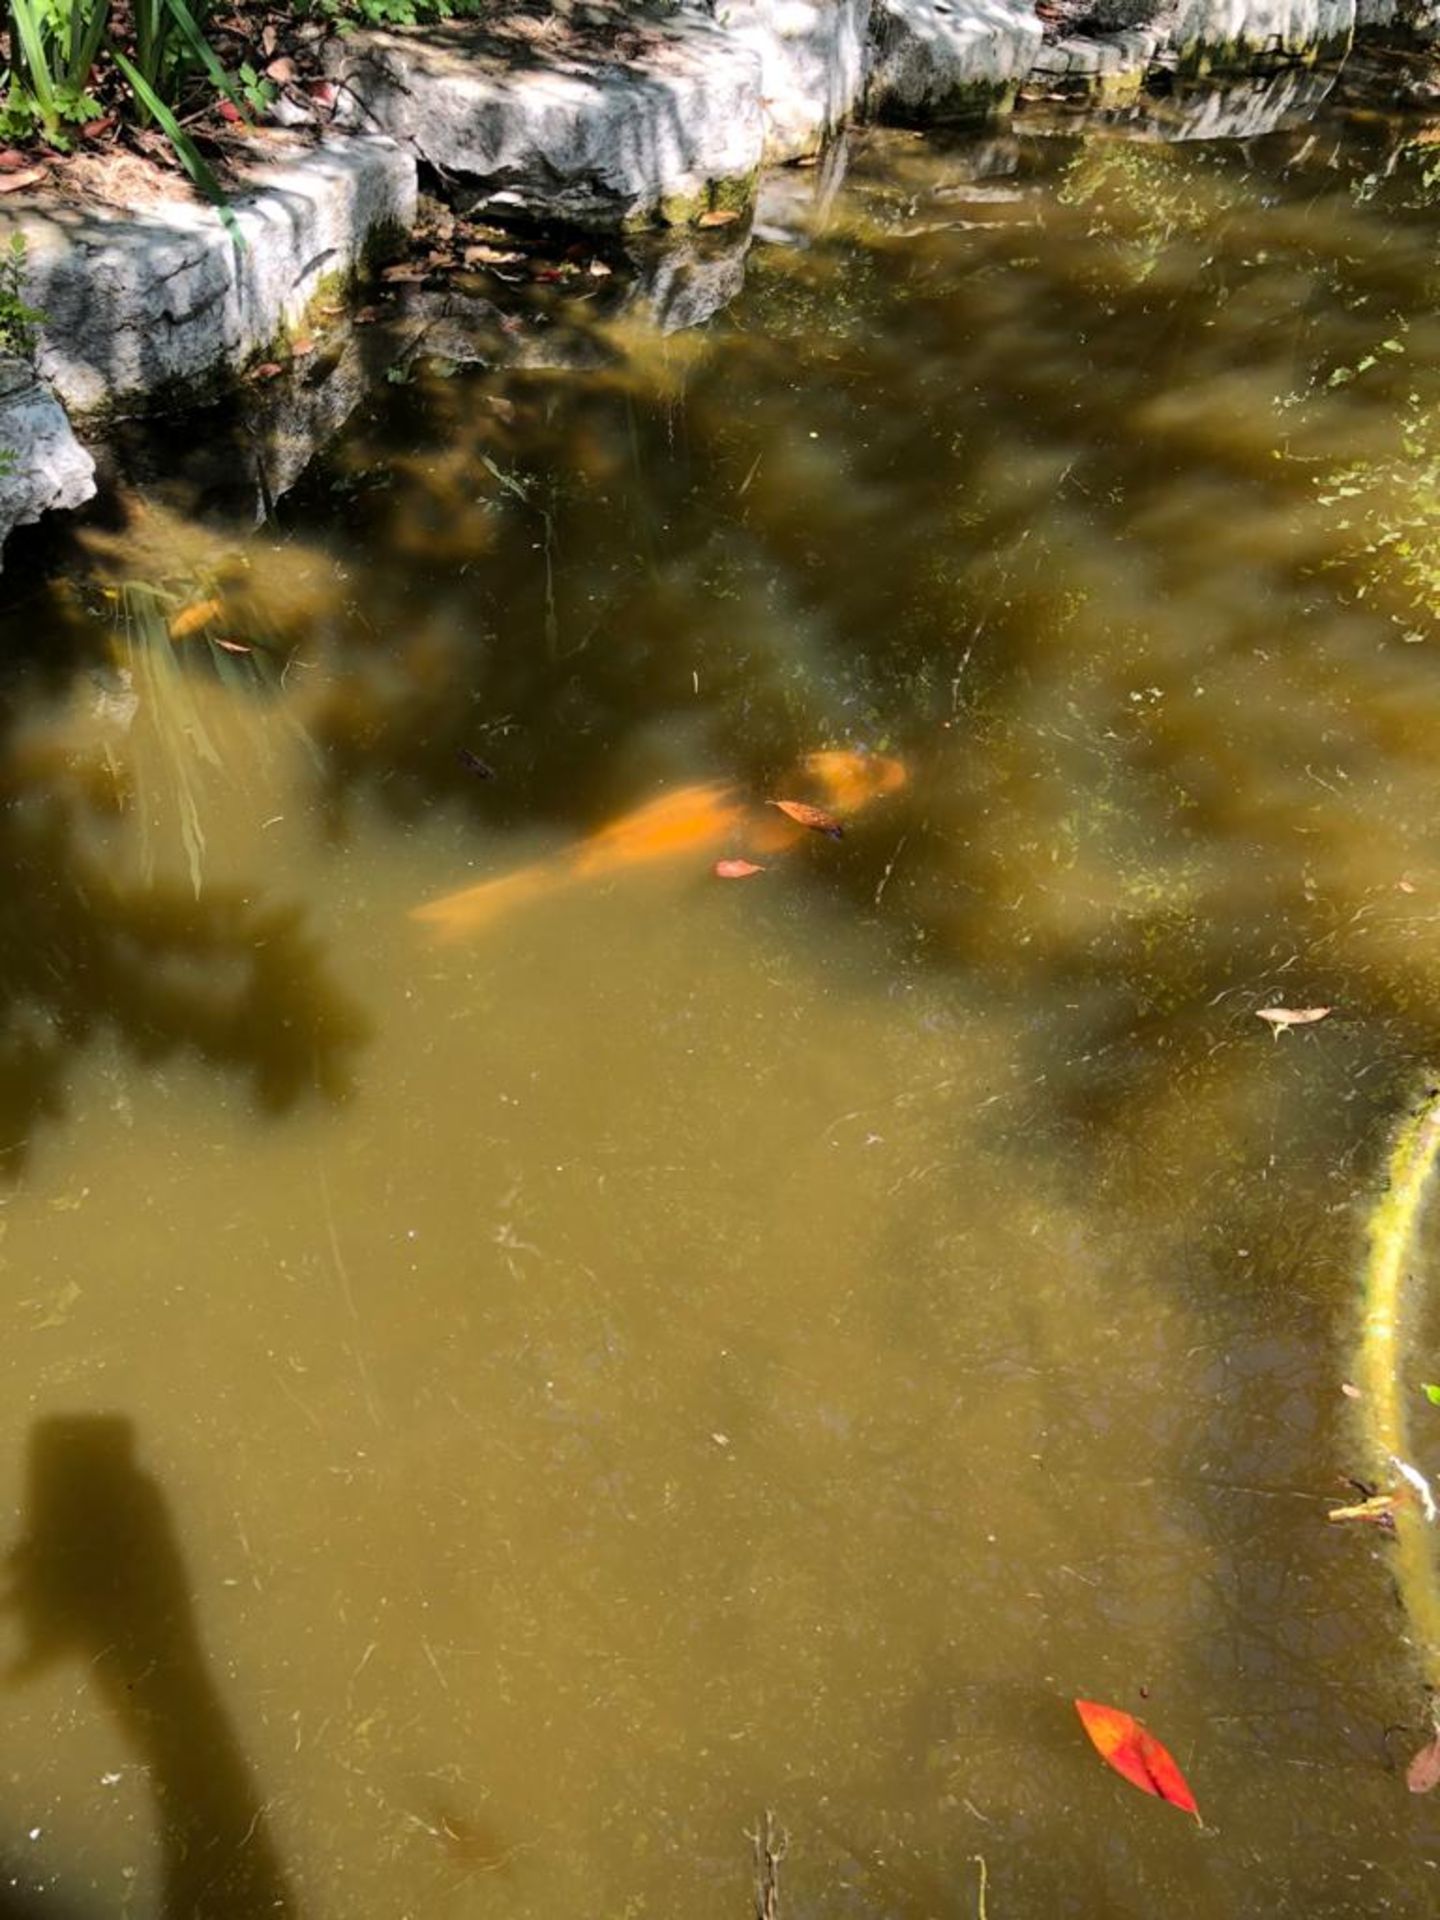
20 323
58 47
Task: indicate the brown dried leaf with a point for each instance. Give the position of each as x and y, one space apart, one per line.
27 177
267 370
301 347
1423 1773
233 646
1282 1018
816 818
408 272
735 869
718 217
281 71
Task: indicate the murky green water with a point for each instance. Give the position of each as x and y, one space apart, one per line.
494 1406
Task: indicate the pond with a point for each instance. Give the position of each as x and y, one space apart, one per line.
523 1354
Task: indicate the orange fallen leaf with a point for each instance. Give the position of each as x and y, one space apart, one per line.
192 618
735 869
718 217
1136 1754
1280 1018
299 348
816 818
1423 1773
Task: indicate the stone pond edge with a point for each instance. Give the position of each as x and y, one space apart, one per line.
165 307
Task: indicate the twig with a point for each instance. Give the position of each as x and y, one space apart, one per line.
890 868
981 1911
769 1847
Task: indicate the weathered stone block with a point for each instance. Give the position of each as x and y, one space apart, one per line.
1226 35
935 60
812 65
145 303
43 467
643 127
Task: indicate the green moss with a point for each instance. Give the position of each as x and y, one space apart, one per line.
971 105
733 195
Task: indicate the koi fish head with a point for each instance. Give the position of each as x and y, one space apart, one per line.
850 778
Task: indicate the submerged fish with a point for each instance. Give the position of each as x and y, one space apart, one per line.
691 820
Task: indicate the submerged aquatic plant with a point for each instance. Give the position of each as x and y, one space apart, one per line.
1389 509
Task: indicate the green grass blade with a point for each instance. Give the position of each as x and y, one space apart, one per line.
202 50
89 20
189 154
28 30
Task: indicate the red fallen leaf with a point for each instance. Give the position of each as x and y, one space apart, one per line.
228 110
815 818
1137 1755
735 869
1423 1772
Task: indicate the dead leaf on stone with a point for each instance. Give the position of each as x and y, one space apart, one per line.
1423 1773
301 347
27 177
407 272
267 370
1282 1018
281 71
718 217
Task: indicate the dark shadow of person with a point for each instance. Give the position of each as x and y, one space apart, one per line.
99 1577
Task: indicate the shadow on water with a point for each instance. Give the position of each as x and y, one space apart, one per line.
99 1578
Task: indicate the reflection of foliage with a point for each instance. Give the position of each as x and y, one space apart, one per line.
1390 514
94 943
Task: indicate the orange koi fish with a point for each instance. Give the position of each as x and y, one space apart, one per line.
692 820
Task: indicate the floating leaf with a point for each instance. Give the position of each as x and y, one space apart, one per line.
1431 1392
192 618
1136 1754
1423 1773
1350 1390
1380 1508
1281 1018
233 646
815 818
735 869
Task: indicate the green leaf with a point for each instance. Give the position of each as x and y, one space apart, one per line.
1431 1392
189 154
32 44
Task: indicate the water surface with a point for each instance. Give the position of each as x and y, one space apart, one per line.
490 1416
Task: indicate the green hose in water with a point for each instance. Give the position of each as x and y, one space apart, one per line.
1391 1284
